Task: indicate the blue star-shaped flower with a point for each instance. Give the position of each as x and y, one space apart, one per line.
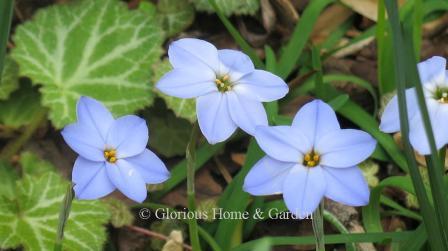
311 159
433 76
229 90
113 153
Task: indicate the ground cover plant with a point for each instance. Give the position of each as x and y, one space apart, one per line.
223 125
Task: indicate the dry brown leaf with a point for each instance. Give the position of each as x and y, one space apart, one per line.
175 242
367 8
328 21
238 158
268 15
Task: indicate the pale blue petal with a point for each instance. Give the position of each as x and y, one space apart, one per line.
303 190
261 86
267 177
344 148
246 113
432 70
283 143
94 115
193 53
390 120
90 179
347 186
150 167
127 179
187 83
84 141
234 63
128 135
214 117
439 119
315 119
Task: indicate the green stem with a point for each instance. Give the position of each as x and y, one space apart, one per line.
334 221
191 163
63 217
433 226
318 227
6 10
14 146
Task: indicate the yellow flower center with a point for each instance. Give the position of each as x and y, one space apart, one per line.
441 95
223 83
110 155
311 159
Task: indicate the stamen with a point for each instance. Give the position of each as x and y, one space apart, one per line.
441 95
223 83
311 159
110 155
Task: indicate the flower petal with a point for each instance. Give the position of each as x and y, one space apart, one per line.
439 118
85 141
282 143
432 70
127 179
345 148
267 177
261 86
94 115
315 119
214 117
390 120
303 190
128 135
187 83
91 180
246 113
193 53
347 186
150 167
234 63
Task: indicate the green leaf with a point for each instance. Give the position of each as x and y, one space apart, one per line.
9 81
329 239
120 213
235 199
183 108
93 48
371 212
8 177
30 219
170 136
176 15
230 7
292 51
32 165
21 108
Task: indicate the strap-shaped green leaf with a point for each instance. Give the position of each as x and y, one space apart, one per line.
94 48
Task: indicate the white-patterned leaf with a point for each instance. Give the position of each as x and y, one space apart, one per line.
10 78
31 218
21 108
176 15
93 48
230 7
171 134
183 108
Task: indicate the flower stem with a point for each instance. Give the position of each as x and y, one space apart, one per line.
318 227
63 217
191 162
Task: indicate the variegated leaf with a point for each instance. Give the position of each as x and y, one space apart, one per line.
93 48
30 219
